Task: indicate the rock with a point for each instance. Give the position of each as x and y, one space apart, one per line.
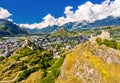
109 61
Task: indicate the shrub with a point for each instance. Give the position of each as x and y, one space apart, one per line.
1 58
99 41
44 73
108 43
118 45
16 58
24 74
34 61
40 65
34 69
23 67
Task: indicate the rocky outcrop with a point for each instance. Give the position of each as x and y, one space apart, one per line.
109 55
91 63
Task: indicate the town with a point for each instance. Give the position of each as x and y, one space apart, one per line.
8 45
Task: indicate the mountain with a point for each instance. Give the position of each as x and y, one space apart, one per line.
109 21
63 32
45 30
9 28
78 26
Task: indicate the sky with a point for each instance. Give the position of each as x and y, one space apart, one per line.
30 11
42 13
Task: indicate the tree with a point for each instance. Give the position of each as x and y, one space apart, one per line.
99 41
118 45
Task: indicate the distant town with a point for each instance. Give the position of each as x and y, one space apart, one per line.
8 45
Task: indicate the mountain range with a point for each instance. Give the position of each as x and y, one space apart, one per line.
10 28
78 26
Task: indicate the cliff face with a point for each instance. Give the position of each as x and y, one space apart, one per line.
91 63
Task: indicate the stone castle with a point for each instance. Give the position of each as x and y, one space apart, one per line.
103 35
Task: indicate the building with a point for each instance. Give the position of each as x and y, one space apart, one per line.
103 35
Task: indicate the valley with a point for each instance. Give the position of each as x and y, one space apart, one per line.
60 41
53 57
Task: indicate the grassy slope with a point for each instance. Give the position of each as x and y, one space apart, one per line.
53 72
18 62
28 64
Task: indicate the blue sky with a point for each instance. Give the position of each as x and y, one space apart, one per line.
30 11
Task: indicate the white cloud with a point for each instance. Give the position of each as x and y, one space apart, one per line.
9 19
4 14
88 11
48 20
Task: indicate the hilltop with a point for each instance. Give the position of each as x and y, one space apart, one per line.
91 63
62 32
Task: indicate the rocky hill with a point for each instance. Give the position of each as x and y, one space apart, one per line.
91 63
62 32
9 28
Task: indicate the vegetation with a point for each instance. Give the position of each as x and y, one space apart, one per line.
26 62
53 72
23 75
62 32
81 65
109 43
114 31
1 58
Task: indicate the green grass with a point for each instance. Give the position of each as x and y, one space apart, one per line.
47 79
53 72
109 43
58 63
